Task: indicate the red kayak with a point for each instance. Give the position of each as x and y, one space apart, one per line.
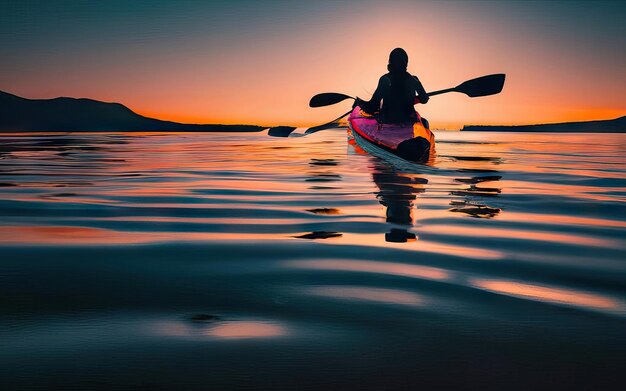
412 141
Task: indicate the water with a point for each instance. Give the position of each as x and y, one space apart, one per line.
221 261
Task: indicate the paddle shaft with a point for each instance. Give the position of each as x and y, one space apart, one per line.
441 91
323 126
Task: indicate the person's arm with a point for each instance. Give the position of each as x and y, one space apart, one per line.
421 93
373 105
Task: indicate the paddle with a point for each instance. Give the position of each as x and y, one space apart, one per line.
327 99
327 124
286 131
480 86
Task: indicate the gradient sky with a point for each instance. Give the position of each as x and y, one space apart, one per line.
261 61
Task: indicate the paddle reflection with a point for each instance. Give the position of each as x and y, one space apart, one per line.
469 204
322 171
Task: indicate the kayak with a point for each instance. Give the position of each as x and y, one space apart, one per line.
411 141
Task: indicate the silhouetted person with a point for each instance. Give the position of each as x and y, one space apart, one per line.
396 90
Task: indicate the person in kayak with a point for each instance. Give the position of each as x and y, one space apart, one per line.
396 90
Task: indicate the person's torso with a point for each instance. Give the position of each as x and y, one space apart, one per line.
398 99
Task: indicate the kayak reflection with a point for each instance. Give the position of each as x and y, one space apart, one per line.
398 191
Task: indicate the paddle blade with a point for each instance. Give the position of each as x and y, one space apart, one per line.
327 99
281 131
482 86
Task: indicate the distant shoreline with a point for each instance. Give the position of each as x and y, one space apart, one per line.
617 125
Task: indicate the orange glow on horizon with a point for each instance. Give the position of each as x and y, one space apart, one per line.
545 116
435 125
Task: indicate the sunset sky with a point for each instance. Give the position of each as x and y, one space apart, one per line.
259 62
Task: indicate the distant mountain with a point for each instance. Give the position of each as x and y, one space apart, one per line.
86 115
617 125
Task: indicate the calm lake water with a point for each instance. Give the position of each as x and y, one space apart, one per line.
221 261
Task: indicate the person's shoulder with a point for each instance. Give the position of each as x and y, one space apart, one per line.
416 80
384 79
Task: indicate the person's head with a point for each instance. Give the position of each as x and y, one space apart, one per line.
398 60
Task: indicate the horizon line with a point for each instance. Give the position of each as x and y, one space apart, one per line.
450 126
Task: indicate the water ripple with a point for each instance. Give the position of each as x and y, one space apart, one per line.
242 253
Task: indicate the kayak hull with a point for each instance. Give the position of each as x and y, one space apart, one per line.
411 141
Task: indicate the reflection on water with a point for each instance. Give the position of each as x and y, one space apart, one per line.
376 295
474 210
246 330
221 330
241 261
397 193
320 235
551 294
325 211
390 268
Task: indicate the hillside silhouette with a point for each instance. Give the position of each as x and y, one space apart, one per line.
19 114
